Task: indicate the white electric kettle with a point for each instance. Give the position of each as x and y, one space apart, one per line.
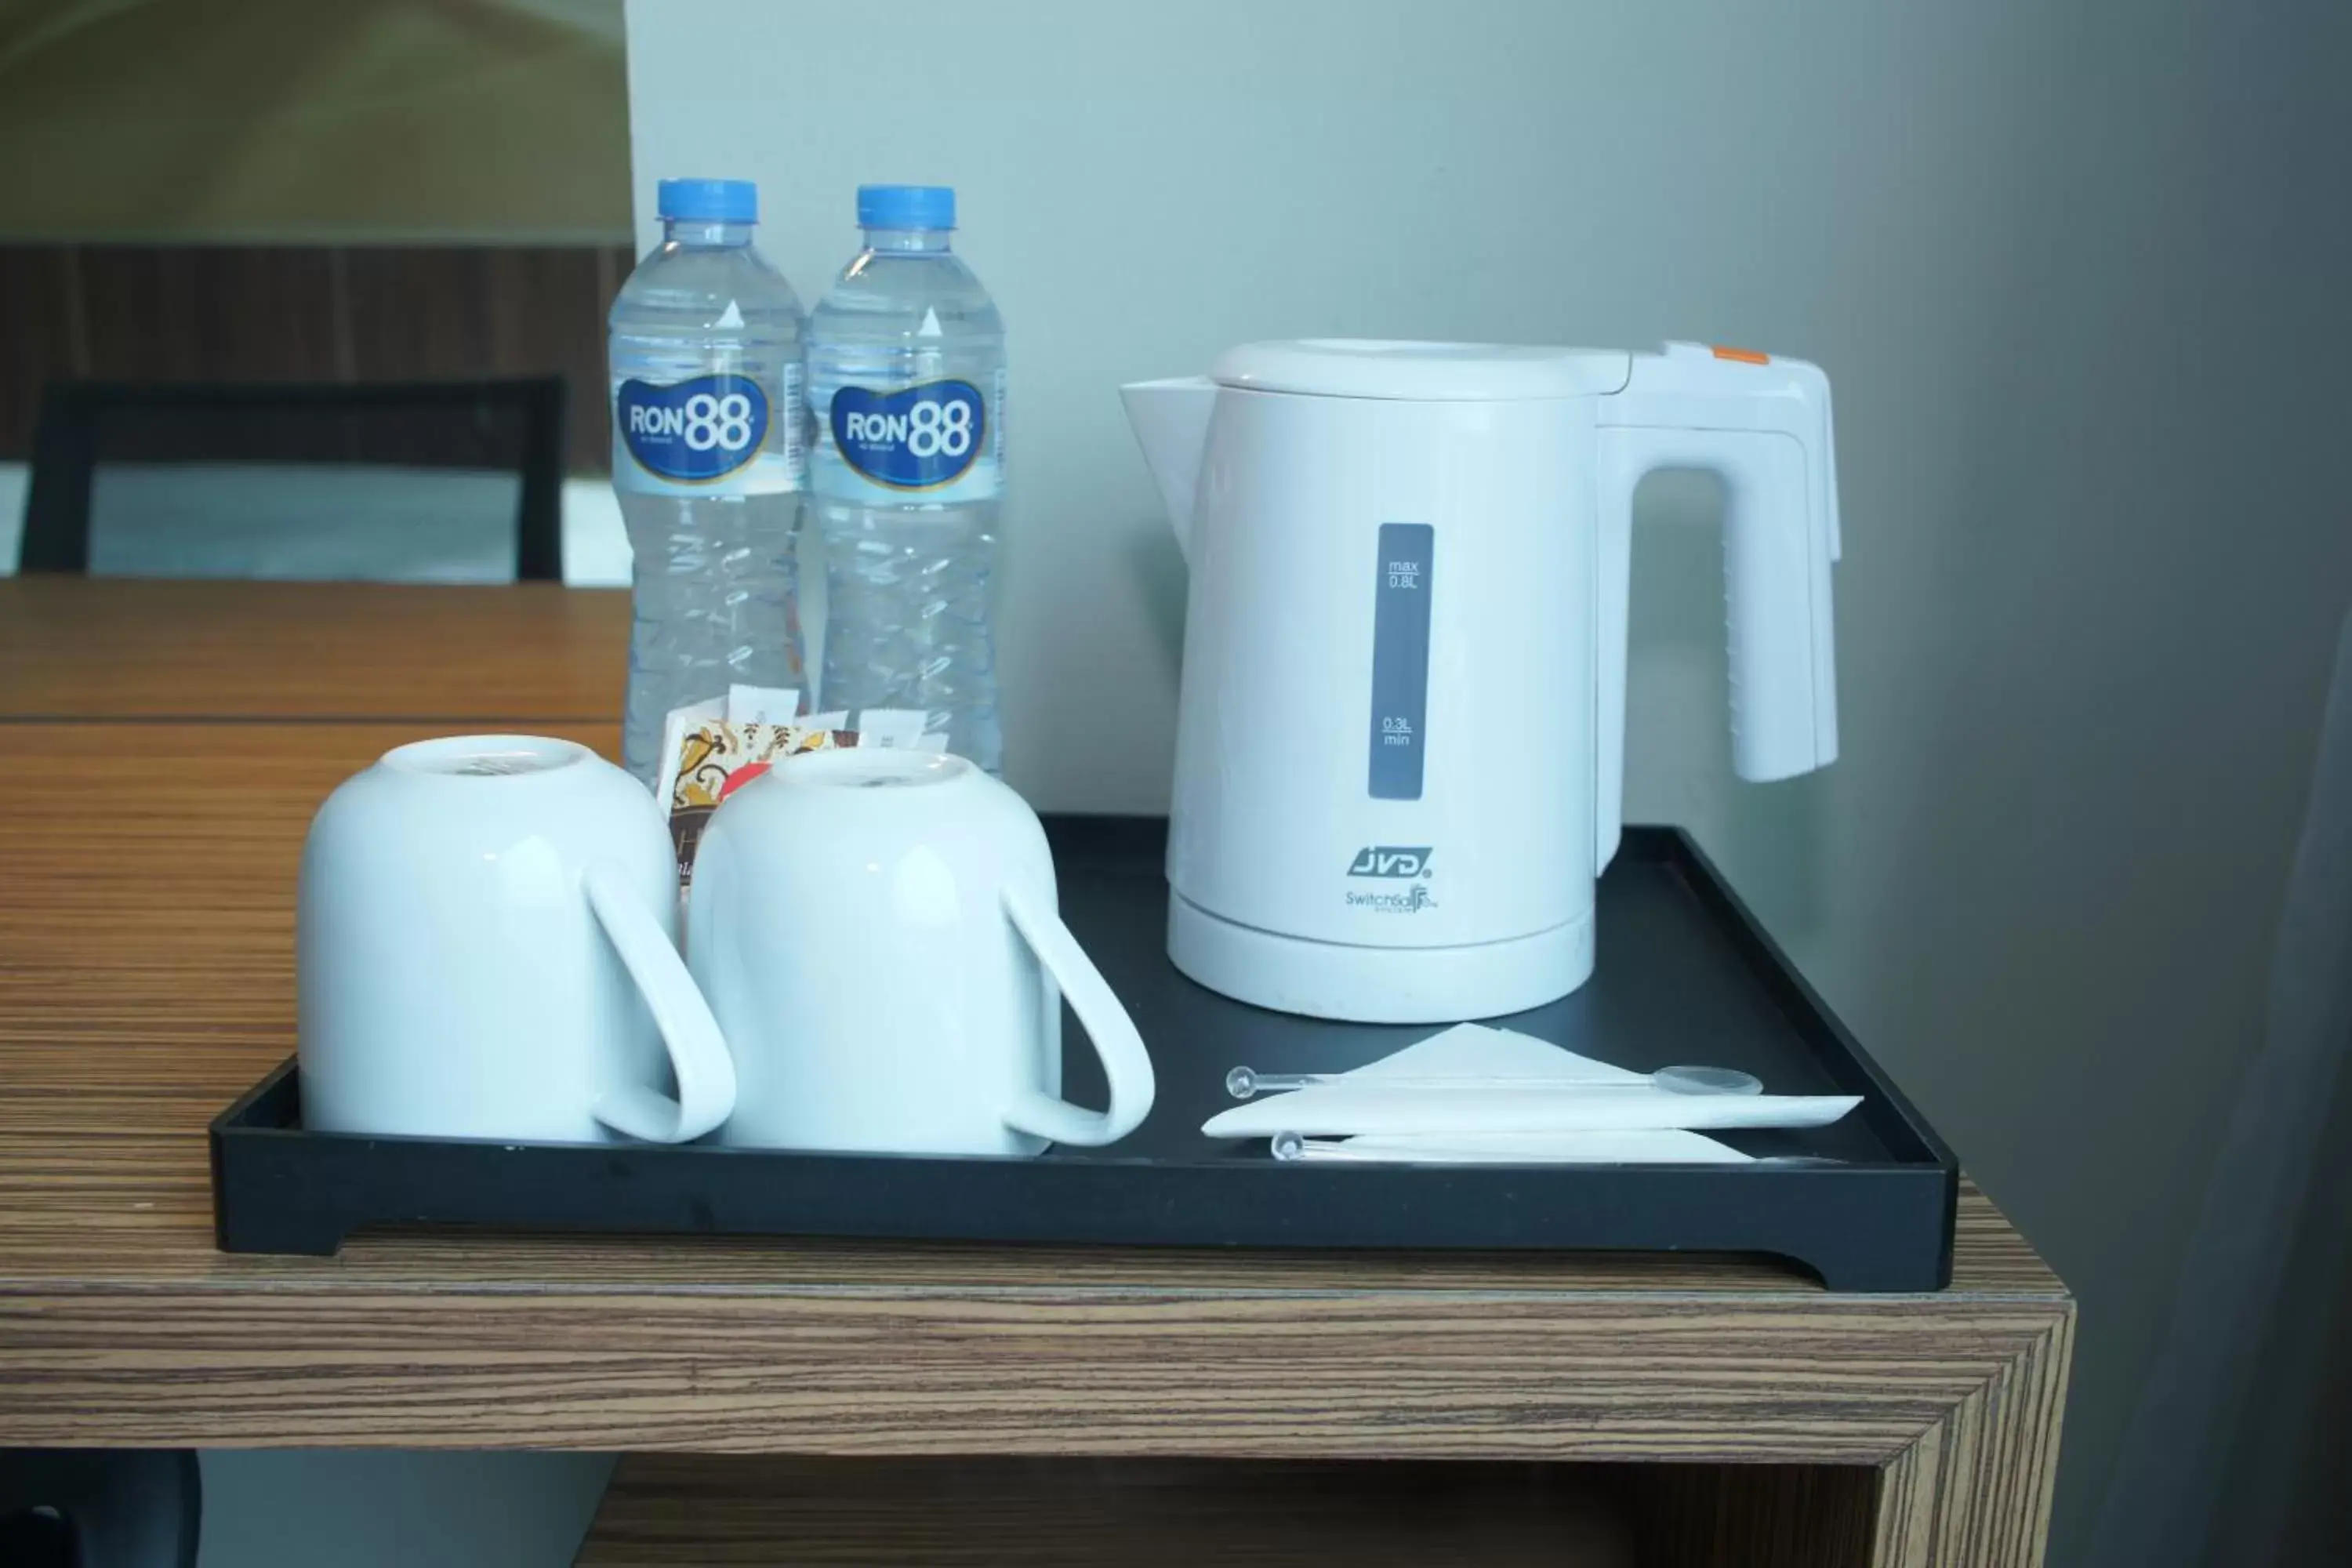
1399 744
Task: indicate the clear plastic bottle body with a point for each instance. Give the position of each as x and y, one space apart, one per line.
909 532
716 595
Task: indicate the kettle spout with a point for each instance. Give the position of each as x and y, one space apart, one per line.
1172 423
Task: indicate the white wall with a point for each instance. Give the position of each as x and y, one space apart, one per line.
2076 268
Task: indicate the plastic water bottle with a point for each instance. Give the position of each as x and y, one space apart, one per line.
709 458
906 395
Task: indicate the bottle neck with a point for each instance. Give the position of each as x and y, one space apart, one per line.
699 232
908 241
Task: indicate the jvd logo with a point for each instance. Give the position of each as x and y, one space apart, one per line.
1389 860
914 439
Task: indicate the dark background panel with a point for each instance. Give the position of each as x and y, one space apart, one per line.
312 313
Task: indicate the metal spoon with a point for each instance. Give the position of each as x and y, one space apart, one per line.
1243 1083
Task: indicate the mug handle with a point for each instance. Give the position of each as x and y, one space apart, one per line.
1125 1062
697 1052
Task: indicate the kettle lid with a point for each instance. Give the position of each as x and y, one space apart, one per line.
1411 371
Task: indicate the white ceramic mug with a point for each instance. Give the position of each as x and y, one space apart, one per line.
876 932
487 947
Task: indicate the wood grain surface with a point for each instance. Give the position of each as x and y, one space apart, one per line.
146 885
663 1509
73 649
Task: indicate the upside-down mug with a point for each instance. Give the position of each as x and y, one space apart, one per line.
487 947
878 933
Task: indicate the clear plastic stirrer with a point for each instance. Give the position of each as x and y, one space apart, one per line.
1289 1146
1243 1083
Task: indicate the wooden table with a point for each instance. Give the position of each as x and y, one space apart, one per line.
146 885
535 653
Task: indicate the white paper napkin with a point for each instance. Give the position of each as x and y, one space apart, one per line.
1668 1147
1474 1080
1475 1052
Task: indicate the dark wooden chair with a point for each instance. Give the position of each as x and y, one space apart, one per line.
393 482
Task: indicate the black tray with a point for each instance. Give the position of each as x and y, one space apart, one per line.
1685 975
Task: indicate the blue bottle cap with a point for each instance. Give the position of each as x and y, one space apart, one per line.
905 206
708 201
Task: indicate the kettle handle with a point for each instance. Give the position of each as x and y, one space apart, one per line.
1762 425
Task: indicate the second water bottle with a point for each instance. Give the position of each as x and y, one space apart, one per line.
905 364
